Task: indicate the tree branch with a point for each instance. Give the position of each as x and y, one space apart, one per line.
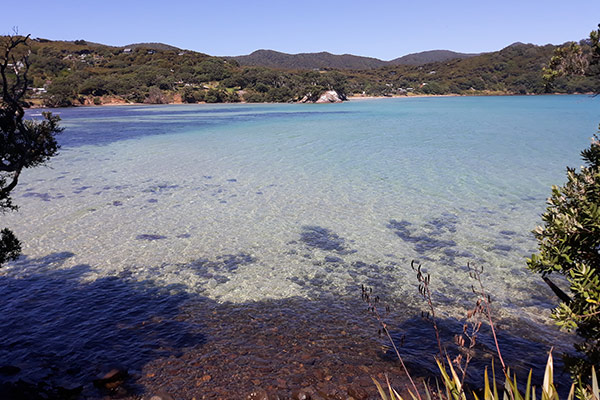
557 291
8 188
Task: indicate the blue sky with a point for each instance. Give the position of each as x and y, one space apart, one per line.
382 29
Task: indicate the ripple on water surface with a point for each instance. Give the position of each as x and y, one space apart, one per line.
150 211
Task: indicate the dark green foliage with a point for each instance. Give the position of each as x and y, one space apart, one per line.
579 60
213 69
569 244
255 97
61 93
334 80
151 46
569 240
275 59
10 247
213 96
23 143
192 95
428 57
434 88
220 96
279 95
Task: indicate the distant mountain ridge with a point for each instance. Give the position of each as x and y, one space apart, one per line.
430 56
325 60
152 46
276 59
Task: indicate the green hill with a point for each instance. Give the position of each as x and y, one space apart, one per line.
427 57
322 60
152 46
72 73
515 69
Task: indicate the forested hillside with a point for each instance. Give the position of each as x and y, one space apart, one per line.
515 69
427 57
74 73
322 60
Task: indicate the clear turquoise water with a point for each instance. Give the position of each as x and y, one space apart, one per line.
245 203
444 181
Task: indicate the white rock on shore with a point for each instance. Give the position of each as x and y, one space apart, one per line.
330 96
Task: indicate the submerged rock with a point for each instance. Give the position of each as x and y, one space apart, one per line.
302 394
258 394
162 396
112 379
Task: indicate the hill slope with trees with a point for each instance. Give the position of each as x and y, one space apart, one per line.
79 72
322 60
430 56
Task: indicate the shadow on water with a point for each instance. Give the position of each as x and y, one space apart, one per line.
60 329
63 329
125 123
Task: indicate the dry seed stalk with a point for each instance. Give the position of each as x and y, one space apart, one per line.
373 303
486 301
424 281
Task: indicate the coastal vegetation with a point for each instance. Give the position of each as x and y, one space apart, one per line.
23 143
80 72
569 238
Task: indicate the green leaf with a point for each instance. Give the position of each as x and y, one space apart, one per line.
528 386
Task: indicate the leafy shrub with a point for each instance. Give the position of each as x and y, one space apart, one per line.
569 244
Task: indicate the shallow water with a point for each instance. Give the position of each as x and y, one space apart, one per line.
252 203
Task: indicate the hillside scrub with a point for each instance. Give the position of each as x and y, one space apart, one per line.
75 73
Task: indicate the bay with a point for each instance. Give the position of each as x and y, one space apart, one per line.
240 204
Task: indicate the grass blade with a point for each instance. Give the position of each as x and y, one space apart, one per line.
528 386
380 389
571 392
548 385
427 390
595 389
494 383
487 392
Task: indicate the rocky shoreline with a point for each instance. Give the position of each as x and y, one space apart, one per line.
325 98
280 349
